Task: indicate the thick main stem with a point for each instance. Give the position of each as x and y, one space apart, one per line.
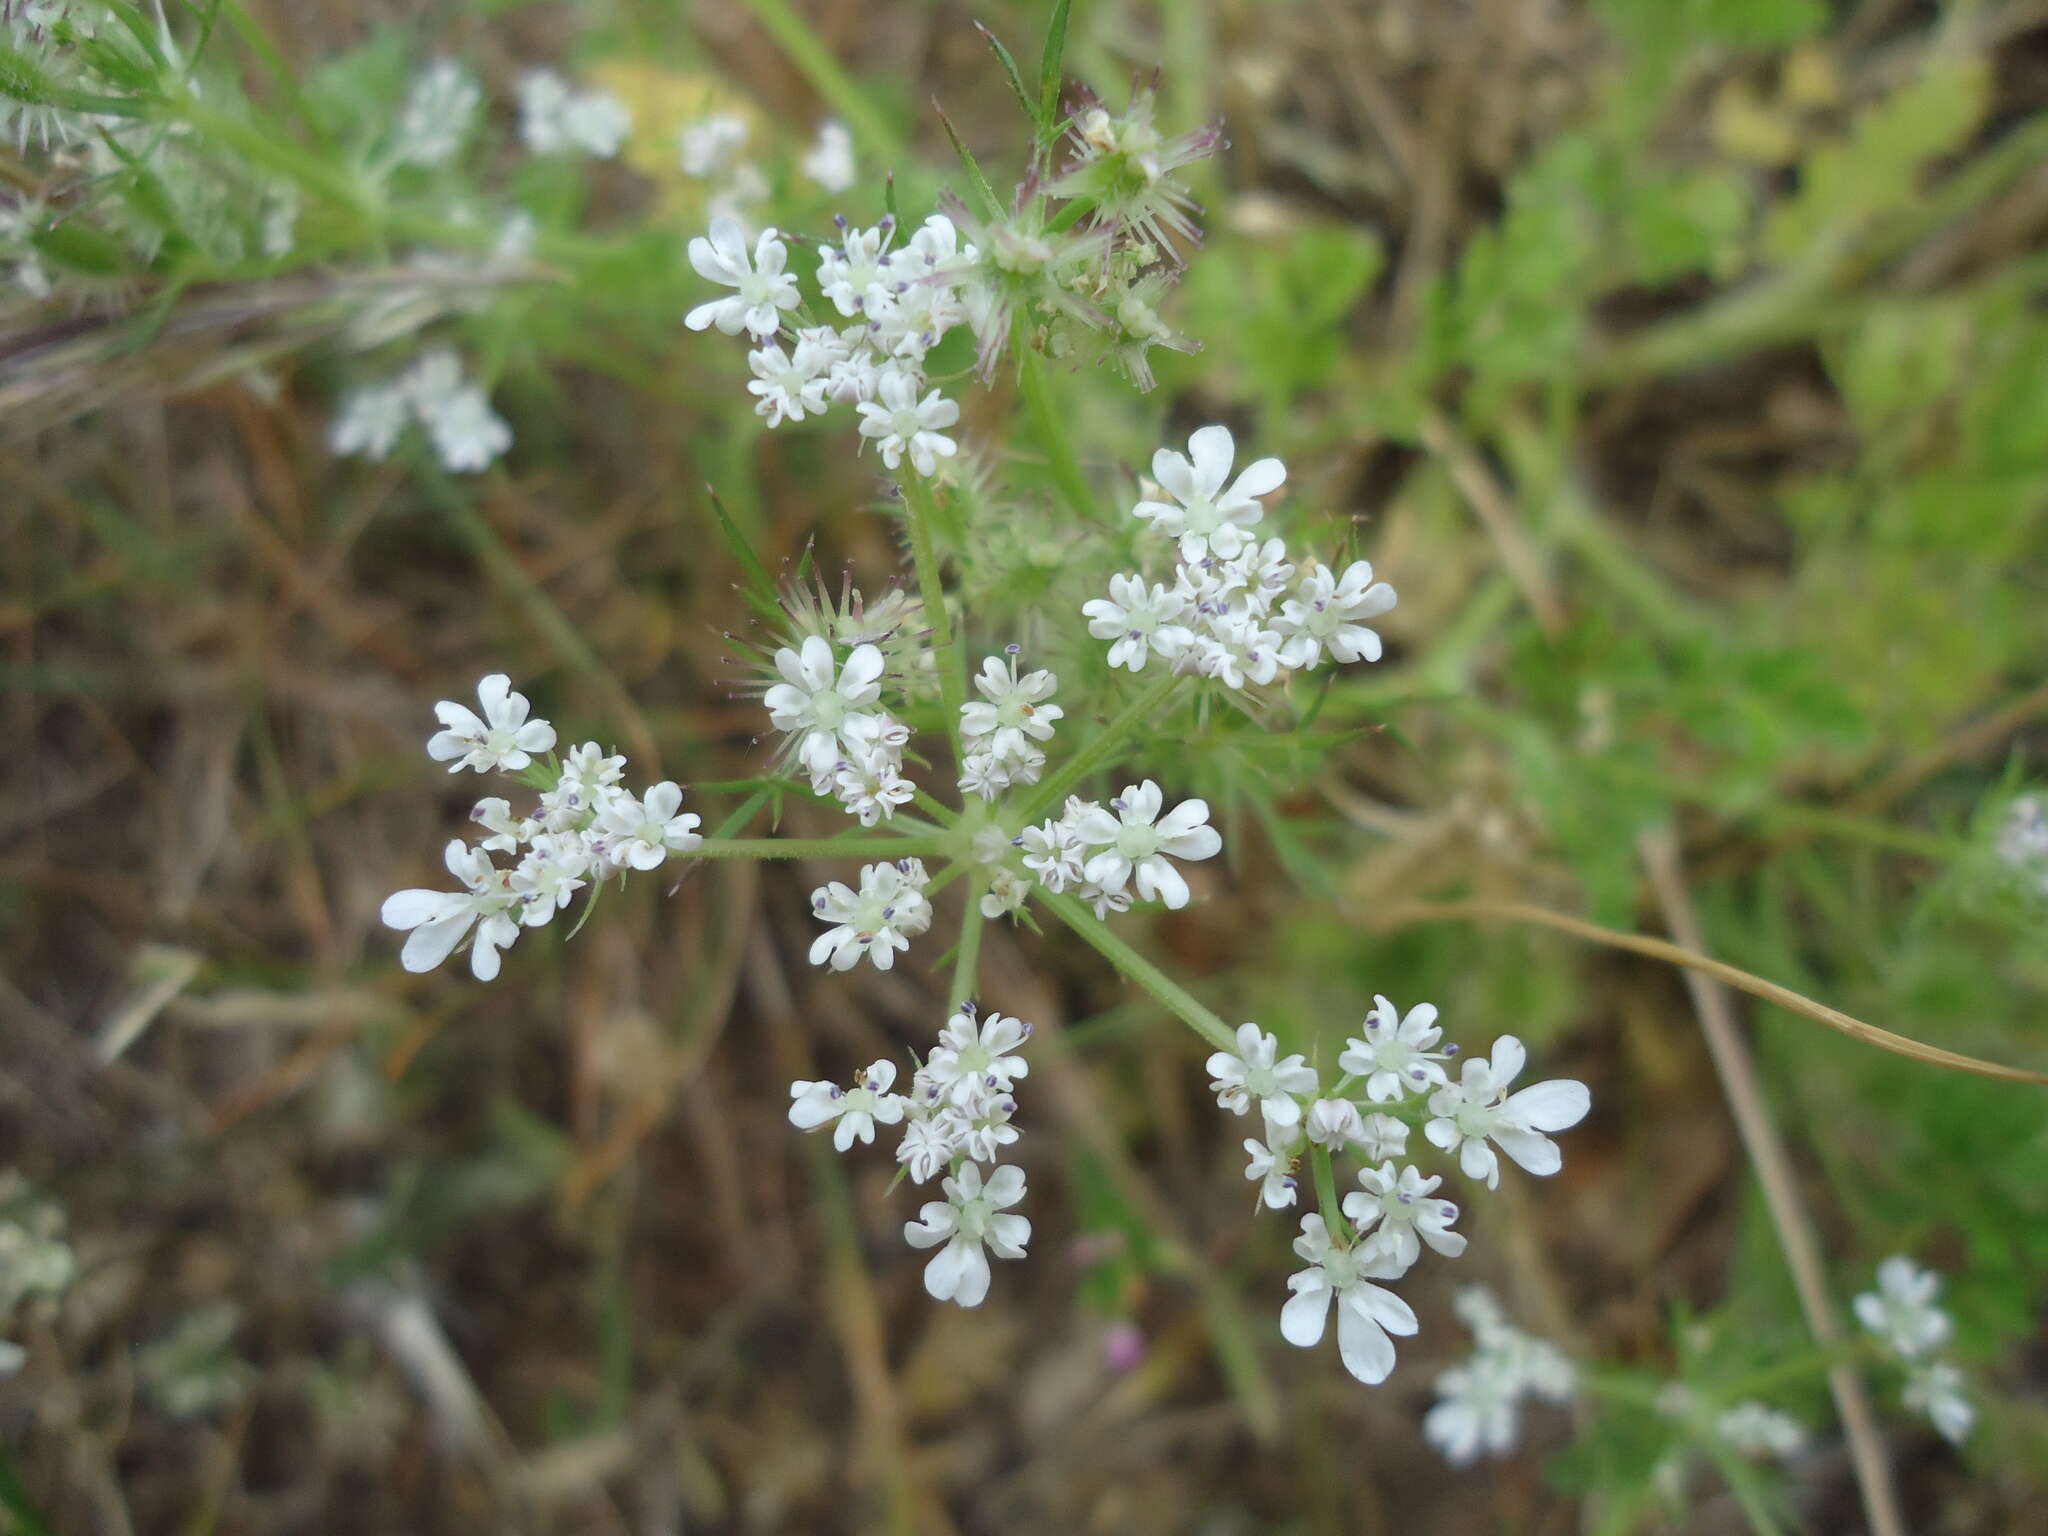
1168 993
1100 748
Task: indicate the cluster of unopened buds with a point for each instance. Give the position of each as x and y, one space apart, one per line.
1395 1076
586 827
957 1116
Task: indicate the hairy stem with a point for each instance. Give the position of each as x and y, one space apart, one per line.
822 847
920 508
1051 432
1169 994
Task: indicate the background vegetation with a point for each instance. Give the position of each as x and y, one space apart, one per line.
1680 362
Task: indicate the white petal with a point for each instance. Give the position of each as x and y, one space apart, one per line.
1306 1311
1553 1106
1211 451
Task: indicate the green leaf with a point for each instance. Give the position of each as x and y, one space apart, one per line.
983 192
1049 68
759 588
1010 74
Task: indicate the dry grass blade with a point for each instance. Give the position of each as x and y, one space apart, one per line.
1404 913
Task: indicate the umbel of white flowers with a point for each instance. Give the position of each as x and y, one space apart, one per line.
1394 1072
957 1116
1903 1316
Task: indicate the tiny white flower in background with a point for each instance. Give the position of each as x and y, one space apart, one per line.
642 832
1011 708
1475 1114
1325 614
762 288
1272 1168
829 160
1477 1402
1396 1209
973 1056
1936 1389
553 117
900 423
818 696
858 1110
1333 1123
1902 1310
1756 1429
1140 619
882 917
503 739
438 112
710 145
467 433
972 1214
1396 1056
1366 1313
370 421
2023 841
279 232
1137 841
439 920
1252 1075
1204 514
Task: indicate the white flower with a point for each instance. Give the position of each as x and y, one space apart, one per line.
761 288
858 1110
1252 1075
438 920
1236 649
1381 1137
1333 1123
507 831
973 1213
790 386
1248 582
1400 1215
466 432
900 423
553 118
981 1128
550 874
882 917
1366 1313
370 421
1902 1310
1011 708
588 779
1131 844
829 160
643 832
1325 613
1140 620
437 114
868 780
1272 1169
1474 1115
1474 1412
1396 1057
926 1149
1936 1389
1203 514
504 739
1052 853
1007 892
813 702
1756 1429
848 273
1102 902
709 145
974 1057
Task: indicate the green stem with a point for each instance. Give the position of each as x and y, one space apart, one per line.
822 847
920 507
1326 1195
1052 432
1100 748
1168 993
967 959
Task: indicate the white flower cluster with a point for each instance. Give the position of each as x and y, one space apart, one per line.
956 1116
1394 1073
555 118
586 828
1102 853
437 115
2023 842
900 302
36 1264
881 918
1478 1403
457 416
1238 609
1000 733
1906 1320
830 714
